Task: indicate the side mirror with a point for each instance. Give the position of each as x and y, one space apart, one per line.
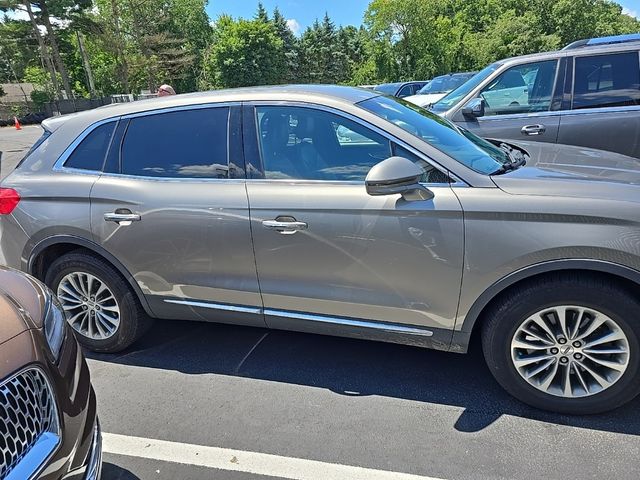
474 109
397 175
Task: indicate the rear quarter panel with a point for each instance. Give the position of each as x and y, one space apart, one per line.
52 202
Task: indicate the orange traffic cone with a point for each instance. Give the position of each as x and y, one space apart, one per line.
17 123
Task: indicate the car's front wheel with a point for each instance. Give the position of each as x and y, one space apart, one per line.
100 306
568 343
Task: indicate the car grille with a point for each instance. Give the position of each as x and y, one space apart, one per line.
27 413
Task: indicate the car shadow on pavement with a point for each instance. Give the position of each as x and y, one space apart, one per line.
350 367
114 472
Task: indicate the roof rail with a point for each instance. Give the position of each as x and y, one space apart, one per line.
613 39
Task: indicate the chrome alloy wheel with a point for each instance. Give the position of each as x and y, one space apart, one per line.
91 308
570 351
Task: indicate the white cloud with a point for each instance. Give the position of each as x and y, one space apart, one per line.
631 13
293 24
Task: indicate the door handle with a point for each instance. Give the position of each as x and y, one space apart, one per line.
537 129
122 216
285 227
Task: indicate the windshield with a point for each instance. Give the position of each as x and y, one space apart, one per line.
388 88
444 84
460 144
459 93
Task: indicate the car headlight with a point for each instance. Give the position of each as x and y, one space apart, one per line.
54 326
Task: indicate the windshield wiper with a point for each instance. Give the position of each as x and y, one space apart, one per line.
517 160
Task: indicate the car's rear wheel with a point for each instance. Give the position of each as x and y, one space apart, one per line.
100 306
568 344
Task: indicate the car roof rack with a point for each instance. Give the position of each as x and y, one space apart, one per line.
610 40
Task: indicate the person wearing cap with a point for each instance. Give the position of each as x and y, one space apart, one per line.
165 90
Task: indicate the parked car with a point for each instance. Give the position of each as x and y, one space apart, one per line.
438 88
48 423
258 207
400 89
587 94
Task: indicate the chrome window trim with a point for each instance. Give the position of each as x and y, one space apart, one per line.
341 113
592 110
58 166
326 319
293 181
195 106
172 179
32 464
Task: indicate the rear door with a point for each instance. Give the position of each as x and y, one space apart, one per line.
605 107
519 104
172 207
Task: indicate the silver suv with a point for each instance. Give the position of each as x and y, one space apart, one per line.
339 211
587 94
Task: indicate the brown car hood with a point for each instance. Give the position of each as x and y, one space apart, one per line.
565 170
22 303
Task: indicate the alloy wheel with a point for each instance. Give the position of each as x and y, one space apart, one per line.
89 305
570 351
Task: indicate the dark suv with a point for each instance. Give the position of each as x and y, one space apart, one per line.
587 94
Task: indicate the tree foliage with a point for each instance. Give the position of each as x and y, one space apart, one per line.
85 47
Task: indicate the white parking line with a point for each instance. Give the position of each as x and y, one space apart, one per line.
241 461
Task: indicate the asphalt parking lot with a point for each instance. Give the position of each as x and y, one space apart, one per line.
208 401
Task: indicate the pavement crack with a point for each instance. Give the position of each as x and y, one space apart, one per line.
244 359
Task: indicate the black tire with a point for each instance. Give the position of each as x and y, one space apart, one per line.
134 321
599 293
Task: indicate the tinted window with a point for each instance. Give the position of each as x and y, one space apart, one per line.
521 89
460 144
90 153
187 143
607 81
310 144
405 91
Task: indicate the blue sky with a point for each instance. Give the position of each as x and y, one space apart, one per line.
302 13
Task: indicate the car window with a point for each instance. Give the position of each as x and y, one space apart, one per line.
186 143
452 98
310 144
607 81
460 144
387 88
430 175
90 153
405 91
521 89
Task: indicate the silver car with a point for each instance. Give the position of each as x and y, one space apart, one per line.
587 94
339 211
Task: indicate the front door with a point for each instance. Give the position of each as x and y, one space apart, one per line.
328 253
518 105
172 208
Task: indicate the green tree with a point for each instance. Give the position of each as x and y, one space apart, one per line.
289 43
244 53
